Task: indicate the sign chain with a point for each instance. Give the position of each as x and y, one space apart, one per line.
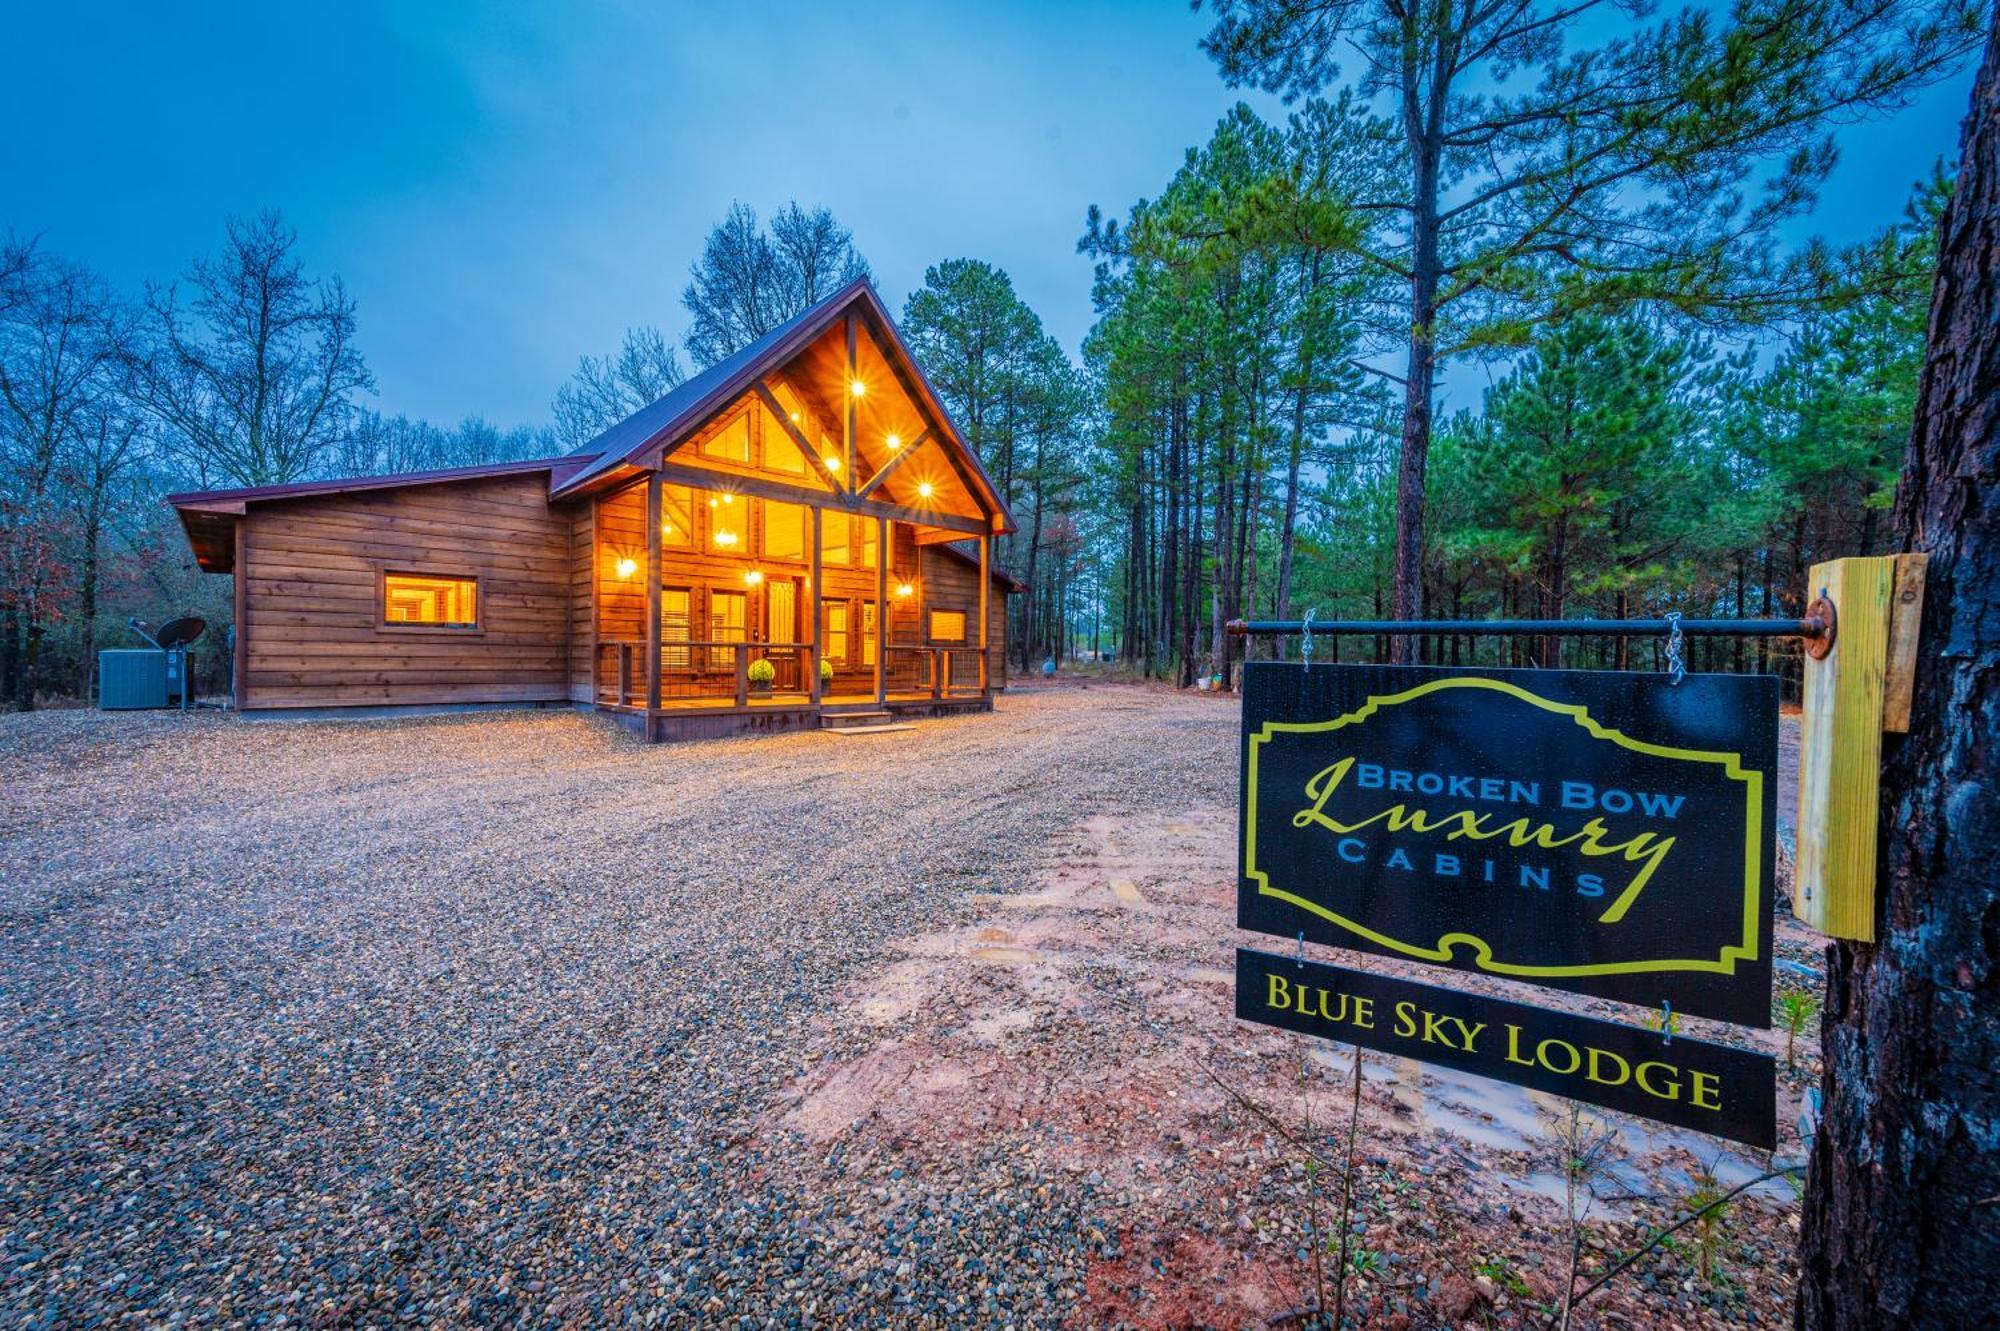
1306 638
1676 663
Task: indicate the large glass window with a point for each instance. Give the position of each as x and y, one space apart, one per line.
676 516
869 542
732 442
784 530
421 598
833 538
728 519
781 453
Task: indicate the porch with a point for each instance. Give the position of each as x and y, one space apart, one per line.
805 536
707 688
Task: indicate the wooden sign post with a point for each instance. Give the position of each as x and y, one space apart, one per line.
1855 691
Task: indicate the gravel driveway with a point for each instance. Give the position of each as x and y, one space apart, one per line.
468 1019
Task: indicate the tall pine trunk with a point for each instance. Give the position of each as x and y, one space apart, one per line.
1902 1210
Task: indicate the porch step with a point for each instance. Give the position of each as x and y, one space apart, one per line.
862 723
849 720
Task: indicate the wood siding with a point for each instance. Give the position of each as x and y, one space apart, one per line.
952 584
311 570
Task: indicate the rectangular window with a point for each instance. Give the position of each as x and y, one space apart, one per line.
947 626
868 633
728 617
835 645
833 538
676 626
784 530
676 516
440 602
869 541
731 443
728 522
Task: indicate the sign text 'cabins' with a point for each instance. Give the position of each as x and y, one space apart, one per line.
1605 833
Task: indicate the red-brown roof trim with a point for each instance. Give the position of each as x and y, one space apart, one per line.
213 500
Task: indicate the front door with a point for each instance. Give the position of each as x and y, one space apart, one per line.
781 611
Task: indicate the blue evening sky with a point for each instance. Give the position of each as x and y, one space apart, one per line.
504 186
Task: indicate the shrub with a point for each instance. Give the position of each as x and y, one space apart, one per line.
762 672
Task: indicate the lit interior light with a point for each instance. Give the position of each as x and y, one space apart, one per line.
858 388
627 567
666 529
904 589
832 462
796 418
725 537
924 490
714 503
751 577
729 499
895 442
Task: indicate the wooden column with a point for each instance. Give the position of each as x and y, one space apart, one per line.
653 592
813 610
985 586
847 477
883 533
239 655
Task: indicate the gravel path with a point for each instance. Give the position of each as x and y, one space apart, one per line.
470 1019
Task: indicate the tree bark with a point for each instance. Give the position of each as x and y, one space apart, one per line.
1902 1211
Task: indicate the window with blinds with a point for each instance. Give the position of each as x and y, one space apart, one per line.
676 626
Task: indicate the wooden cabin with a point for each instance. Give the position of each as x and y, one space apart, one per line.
796 536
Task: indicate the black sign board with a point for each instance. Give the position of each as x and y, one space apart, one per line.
1607 833
1689 1083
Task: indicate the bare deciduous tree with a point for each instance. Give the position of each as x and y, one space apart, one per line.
747 283
252 381
606 389
62 346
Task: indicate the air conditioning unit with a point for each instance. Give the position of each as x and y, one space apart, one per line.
131 677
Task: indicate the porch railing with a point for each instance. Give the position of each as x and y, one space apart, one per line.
718 671
942 672
715 671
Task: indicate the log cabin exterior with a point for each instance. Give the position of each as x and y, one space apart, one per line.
796 536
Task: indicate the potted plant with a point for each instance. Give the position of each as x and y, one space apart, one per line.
762 672
825 671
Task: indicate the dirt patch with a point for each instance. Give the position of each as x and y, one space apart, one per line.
1085 1024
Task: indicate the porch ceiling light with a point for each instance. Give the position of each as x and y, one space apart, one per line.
894 441
924 490
858 388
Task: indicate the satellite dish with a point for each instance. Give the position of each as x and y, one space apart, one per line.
179 632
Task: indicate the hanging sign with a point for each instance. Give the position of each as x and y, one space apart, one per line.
1606 833
1711 1088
